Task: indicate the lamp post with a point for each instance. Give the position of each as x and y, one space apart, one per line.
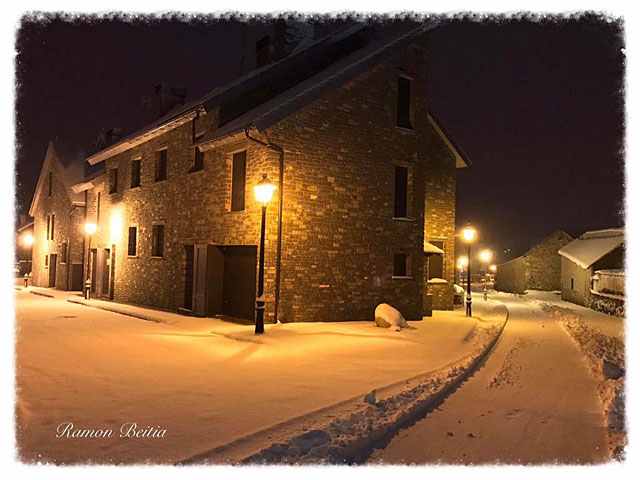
462 263
485 256
264 191
468 235
90 229
28 240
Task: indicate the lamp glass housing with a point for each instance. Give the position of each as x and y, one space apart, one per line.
468 234
90 228
264 190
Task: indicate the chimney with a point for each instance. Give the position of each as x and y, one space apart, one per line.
163 98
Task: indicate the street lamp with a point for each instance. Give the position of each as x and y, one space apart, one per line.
27 241
468 235
90 229
264 191
485 256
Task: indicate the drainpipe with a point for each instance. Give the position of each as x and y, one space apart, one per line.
280 150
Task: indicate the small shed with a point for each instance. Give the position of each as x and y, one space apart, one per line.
592 258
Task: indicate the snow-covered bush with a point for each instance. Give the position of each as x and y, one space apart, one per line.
386 316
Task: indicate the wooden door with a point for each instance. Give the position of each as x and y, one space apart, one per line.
53 262
239 283
200 280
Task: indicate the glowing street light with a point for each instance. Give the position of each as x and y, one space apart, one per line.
90 229
468 235
27 241
493 268
264 191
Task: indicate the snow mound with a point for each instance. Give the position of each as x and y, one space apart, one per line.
458 290
387 316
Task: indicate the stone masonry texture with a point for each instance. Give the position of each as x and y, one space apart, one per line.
338 232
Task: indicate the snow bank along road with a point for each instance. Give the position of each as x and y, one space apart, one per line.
534 401
206 382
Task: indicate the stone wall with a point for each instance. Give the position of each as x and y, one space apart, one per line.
609 304
581 282
542 262
511 277
442 295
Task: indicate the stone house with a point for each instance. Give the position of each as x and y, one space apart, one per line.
59 215
365 175
537 269
585 260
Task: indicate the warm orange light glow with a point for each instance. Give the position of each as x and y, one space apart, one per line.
485 256
493 269
462 262
90 228
264 190
115 230
468 234
27 239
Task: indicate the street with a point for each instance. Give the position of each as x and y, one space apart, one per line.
534 401
207 382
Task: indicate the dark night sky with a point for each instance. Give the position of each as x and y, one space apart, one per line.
536 106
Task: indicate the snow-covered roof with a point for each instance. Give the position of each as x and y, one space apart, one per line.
387 40
431 248
592 246
614 272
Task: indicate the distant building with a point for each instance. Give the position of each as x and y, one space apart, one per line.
59 214
592 270
538 269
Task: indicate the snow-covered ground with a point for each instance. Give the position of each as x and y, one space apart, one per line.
533 401
608 324
204 381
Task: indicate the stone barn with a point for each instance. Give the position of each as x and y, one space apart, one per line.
538 269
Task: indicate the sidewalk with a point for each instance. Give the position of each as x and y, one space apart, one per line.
206 381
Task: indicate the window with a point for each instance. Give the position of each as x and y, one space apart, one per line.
262 51
50 190
198 156
400 264
436 267
135 173
401 192
157 249
46 261
65 247
572 284
161 165
98 208
133 242
53 224
238 181
404 103
113 180
48 227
